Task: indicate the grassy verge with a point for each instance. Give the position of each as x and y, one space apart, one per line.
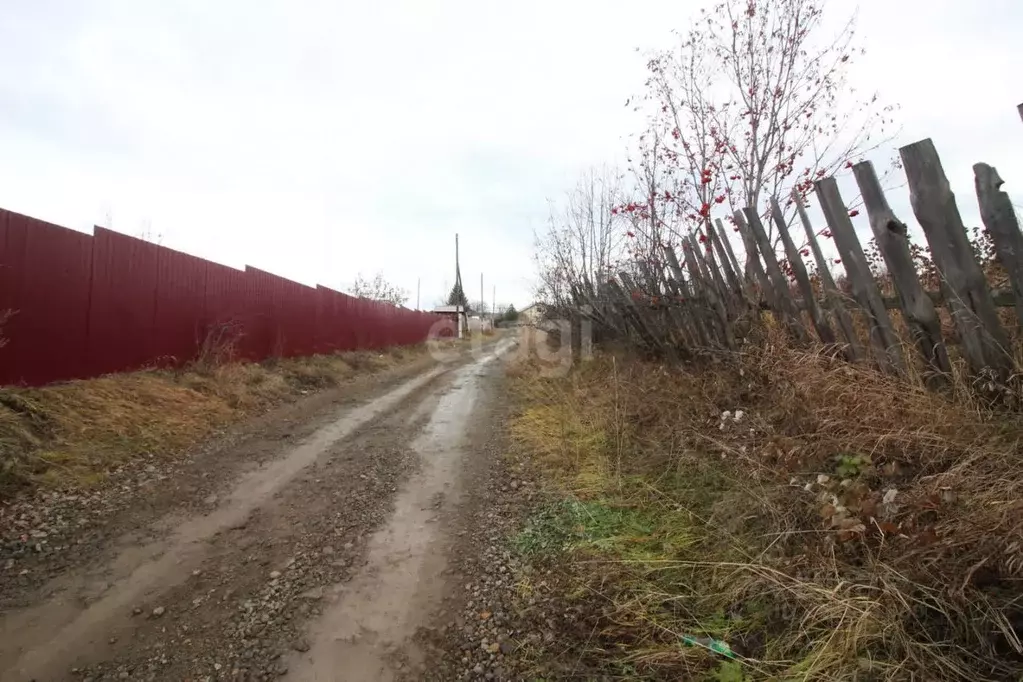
775 516
70 435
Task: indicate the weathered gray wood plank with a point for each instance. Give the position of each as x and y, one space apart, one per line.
707 256
917 307
754 271
716 293
674 327
632 313
885 342
783 295
834 300
686 290
999 216
984 342
701 281
724 246
820 322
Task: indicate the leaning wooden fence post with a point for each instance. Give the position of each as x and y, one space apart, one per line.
716 291
820 323
783 295
742 292
714 270
658 282
999 218
643 315
985 343
687 291
631 311
678 328
833 297
754 271
890 233
727 255
702 283
882 333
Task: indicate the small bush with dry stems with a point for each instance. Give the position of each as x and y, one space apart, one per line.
827 521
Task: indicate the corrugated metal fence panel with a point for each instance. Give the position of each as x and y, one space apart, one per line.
357 321
12 267
180 305
45 281
88 305
12 259
344 331
378 324
122 311
225 315
324 319
293 316
260 332
6 284
303 320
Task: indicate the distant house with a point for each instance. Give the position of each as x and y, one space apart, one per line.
454 312
531 314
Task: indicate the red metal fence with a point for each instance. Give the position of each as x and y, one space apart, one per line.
86 305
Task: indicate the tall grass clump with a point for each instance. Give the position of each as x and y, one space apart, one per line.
826 521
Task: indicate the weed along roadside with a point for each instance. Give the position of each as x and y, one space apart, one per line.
779 515
74 435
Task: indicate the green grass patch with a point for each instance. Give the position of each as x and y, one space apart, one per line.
630 533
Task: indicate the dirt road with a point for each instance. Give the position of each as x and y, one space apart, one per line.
312 547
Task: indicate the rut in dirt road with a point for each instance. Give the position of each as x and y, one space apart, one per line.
227 594
367 633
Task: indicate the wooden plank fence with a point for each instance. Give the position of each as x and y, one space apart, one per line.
705 300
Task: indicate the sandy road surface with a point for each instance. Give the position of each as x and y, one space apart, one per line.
318 559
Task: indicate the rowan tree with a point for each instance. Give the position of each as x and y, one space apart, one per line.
754 101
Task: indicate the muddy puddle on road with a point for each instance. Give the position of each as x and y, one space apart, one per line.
366 634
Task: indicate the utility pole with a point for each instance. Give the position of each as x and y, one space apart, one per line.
458 287
493 308
481 303
419 281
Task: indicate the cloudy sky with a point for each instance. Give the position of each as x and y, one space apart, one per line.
317 139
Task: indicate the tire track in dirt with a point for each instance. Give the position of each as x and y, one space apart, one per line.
43 641
140 501
367 635
237 614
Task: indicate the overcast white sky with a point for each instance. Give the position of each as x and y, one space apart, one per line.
316 139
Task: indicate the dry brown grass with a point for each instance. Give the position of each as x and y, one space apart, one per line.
801 556
71 435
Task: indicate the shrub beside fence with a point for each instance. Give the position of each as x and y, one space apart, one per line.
85 305
709 300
